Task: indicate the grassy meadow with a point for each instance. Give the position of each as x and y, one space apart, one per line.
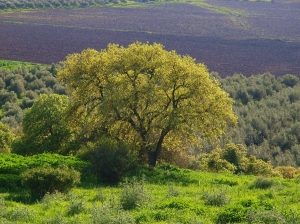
166 195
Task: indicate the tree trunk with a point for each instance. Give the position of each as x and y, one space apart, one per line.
153 155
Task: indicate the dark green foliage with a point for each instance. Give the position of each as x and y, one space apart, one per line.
46 179
110 159
10 182
20 86
268 110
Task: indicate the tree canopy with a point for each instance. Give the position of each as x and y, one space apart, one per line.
44 126
146 94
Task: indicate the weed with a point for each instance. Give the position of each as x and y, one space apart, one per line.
133 193
55 220
110 213
263 183
100 196
172 191
232 214
215 198
266 217
49 200
20 214
76 206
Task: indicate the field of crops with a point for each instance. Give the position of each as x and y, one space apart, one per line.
229 37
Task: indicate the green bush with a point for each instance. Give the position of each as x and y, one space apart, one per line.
215 198
133 194
232 214
110 213
263 183
48 179
10 182
109 159
266 217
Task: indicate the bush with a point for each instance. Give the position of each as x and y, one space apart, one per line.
110 213
48 179
253 166
263 183
286 171
215 198
266 217
232 214
213 162
10 182
133 194
109 159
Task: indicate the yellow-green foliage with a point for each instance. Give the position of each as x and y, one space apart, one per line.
233 159
6 138
213 162
286 171
146 95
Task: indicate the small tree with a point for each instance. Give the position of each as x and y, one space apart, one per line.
145 95
44 127
6 138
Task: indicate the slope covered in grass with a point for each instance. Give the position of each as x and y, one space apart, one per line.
166 195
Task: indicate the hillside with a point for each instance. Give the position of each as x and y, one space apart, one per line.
166 195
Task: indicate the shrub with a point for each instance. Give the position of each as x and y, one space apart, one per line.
234 153
232 214
213 162
286 171
76 206
6 138
215 198
263 183
110 213
255 166
109 159
48 179
20 214
266 217
10 181
133 193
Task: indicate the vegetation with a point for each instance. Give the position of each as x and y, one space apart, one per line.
147 96
201 198
46 179
20 86
8 5
146 100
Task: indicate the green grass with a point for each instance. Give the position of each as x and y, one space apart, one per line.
172 195
11 65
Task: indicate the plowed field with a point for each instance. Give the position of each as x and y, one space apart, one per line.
229 37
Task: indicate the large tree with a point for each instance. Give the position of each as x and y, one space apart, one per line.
146 94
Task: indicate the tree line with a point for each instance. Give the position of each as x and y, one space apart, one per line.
46 4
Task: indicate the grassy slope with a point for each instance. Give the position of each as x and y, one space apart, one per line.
8 64
174 196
